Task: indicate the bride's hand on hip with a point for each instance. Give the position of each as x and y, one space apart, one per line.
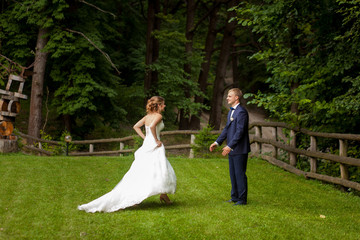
158 143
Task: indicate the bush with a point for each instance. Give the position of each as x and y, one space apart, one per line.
203 140
56 149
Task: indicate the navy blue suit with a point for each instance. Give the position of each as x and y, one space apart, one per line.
236 133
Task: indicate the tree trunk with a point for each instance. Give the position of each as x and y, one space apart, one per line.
218 92
67 122
205 66
294 43
234 61
152 48
184 121
294 105
156 46
38 84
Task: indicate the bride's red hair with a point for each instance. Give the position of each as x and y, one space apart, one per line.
153 104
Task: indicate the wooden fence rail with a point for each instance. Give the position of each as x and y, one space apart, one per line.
257 141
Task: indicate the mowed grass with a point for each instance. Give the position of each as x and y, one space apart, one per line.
39 198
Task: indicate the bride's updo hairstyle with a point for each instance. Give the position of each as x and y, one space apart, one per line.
154 103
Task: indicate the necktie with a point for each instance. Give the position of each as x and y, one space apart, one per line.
231 108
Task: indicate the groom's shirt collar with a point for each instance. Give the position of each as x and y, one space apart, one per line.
236 106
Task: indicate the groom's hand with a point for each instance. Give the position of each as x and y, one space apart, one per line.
212 147
226 151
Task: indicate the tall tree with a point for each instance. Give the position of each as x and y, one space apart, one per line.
39 18
206 64
84 80
35 117
189 35
307 47
226 46
81 78
152 47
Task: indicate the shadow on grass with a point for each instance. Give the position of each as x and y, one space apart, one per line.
151 206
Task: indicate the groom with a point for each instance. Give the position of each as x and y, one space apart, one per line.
236 134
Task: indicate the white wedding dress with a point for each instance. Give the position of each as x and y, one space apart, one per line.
150 174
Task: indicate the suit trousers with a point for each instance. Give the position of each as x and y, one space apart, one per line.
239 186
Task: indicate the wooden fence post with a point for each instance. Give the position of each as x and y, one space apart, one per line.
121 148
91 148
292 144
257 144
275 137
40 147
192 141
313 146
343 152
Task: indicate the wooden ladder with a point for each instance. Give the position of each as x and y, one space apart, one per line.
10 105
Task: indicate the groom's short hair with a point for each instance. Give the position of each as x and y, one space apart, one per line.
237 92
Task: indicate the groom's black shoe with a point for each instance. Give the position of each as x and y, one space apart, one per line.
239 203
230 201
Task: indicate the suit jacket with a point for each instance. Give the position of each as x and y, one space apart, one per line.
236 132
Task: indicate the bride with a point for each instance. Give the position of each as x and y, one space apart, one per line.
150 173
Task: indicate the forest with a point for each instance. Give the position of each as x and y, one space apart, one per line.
90 65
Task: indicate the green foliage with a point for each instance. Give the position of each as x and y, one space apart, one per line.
333 169
66 145
354 173
56 149
19 141
311 55
81 82
203 140
16 37
20 23
87 86
328 168
303 163
4 71
138 141
175 84
40 13
47 146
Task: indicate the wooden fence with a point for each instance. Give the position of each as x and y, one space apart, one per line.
312 153
258 140
121 141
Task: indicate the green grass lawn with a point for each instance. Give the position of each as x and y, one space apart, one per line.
39 198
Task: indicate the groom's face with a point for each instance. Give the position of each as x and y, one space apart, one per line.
232 99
